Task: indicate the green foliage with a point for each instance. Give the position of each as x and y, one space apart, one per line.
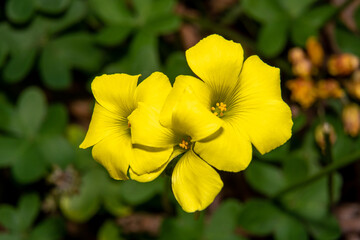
51 50
282 18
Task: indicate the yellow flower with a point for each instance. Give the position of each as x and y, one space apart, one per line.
215 120
117 96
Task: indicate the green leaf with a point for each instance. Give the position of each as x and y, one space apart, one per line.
176 65
259 217
50 228
7 236
163 24
325 229
113 35
53 6
112 11
54 72
265 178
279 154
75 13
10 150
183 227
7 216
29 206
30 166
309 24
19 65
136 193
294 7
347 41
57 150
55 121
223 222
4 50
272 38
109 231
299 122
264 11
31 110
70 51
312 201
19 11
290 228
295 168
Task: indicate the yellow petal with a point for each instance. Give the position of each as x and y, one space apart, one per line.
148 160
147 177
217 62
229 149
103 123
195 184
114 153
200 89
258 107
116 92
153 90
192 118
146 129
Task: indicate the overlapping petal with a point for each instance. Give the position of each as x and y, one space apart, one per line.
115 92
103 123
195 183
258 108
147 160
229 149
217 62
199 88
114 153
147 130
192 118
153 90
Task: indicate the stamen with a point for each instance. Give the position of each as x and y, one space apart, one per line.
185 144
219 109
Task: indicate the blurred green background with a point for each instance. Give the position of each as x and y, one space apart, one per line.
50 50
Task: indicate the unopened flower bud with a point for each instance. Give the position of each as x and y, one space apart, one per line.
351 119
343 64
329 88
353 85
296 54
315 51
320 132
303 91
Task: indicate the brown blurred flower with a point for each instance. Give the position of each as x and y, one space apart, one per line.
329 88
302 68
351 119
342 64
315 51
303 91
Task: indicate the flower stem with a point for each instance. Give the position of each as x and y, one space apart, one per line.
349 159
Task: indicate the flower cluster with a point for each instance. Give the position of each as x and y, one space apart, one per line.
207 123
320 77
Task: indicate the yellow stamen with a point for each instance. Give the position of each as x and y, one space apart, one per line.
219 109
185 144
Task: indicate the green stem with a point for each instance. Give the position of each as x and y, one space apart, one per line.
325 171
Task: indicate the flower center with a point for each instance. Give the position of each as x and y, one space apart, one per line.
219 109
185 144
